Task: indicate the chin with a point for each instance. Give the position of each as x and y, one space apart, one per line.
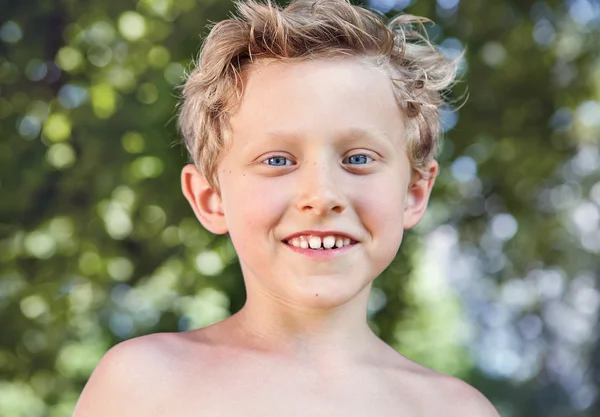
328 297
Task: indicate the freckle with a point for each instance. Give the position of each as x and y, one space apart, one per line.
316 295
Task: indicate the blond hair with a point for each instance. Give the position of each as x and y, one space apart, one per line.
312 29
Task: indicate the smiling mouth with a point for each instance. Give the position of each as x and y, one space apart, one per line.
318 243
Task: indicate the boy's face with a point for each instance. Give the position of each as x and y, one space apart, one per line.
317 146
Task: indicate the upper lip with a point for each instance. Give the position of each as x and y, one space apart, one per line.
321 233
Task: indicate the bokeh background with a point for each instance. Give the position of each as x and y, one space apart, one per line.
498 285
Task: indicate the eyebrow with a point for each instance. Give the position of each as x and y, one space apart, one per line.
352 133
368 133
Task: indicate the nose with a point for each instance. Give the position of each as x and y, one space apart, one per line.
319 191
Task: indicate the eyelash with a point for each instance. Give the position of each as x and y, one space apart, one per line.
265 161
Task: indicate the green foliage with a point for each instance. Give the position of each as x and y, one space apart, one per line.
498 285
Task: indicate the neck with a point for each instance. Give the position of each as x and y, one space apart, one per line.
338 334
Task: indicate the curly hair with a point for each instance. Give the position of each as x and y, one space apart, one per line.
312 29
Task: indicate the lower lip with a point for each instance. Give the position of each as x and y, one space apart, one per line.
322 253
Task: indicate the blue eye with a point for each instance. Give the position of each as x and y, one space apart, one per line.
278 161
358 159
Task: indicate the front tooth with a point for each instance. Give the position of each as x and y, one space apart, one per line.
328 242
303 244
314 242
339 242
346 241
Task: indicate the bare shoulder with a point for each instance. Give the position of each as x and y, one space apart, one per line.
132 377
454 397
463 400
440 394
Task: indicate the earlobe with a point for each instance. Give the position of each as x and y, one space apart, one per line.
204 200
418 196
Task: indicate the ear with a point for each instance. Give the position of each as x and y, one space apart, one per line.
204 200
418 194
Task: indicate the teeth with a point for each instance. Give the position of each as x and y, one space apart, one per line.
314 242
318 243
328 242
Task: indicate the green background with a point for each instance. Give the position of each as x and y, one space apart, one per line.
498 285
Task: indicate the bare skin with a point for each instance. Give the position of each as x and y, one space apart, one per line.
318 146
220 371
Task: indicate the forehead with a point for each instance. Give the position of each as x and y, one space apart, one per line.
320 97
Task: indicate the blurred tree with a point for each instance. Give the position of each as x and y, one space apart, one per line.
498 286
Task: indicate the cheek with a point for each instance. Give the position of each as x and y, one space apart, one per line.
382 202
380 208
253 205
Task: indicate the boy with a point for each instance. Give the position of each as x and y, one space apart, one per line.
313 131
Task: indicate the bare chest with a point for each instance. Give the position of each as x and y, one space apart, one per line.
284 393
